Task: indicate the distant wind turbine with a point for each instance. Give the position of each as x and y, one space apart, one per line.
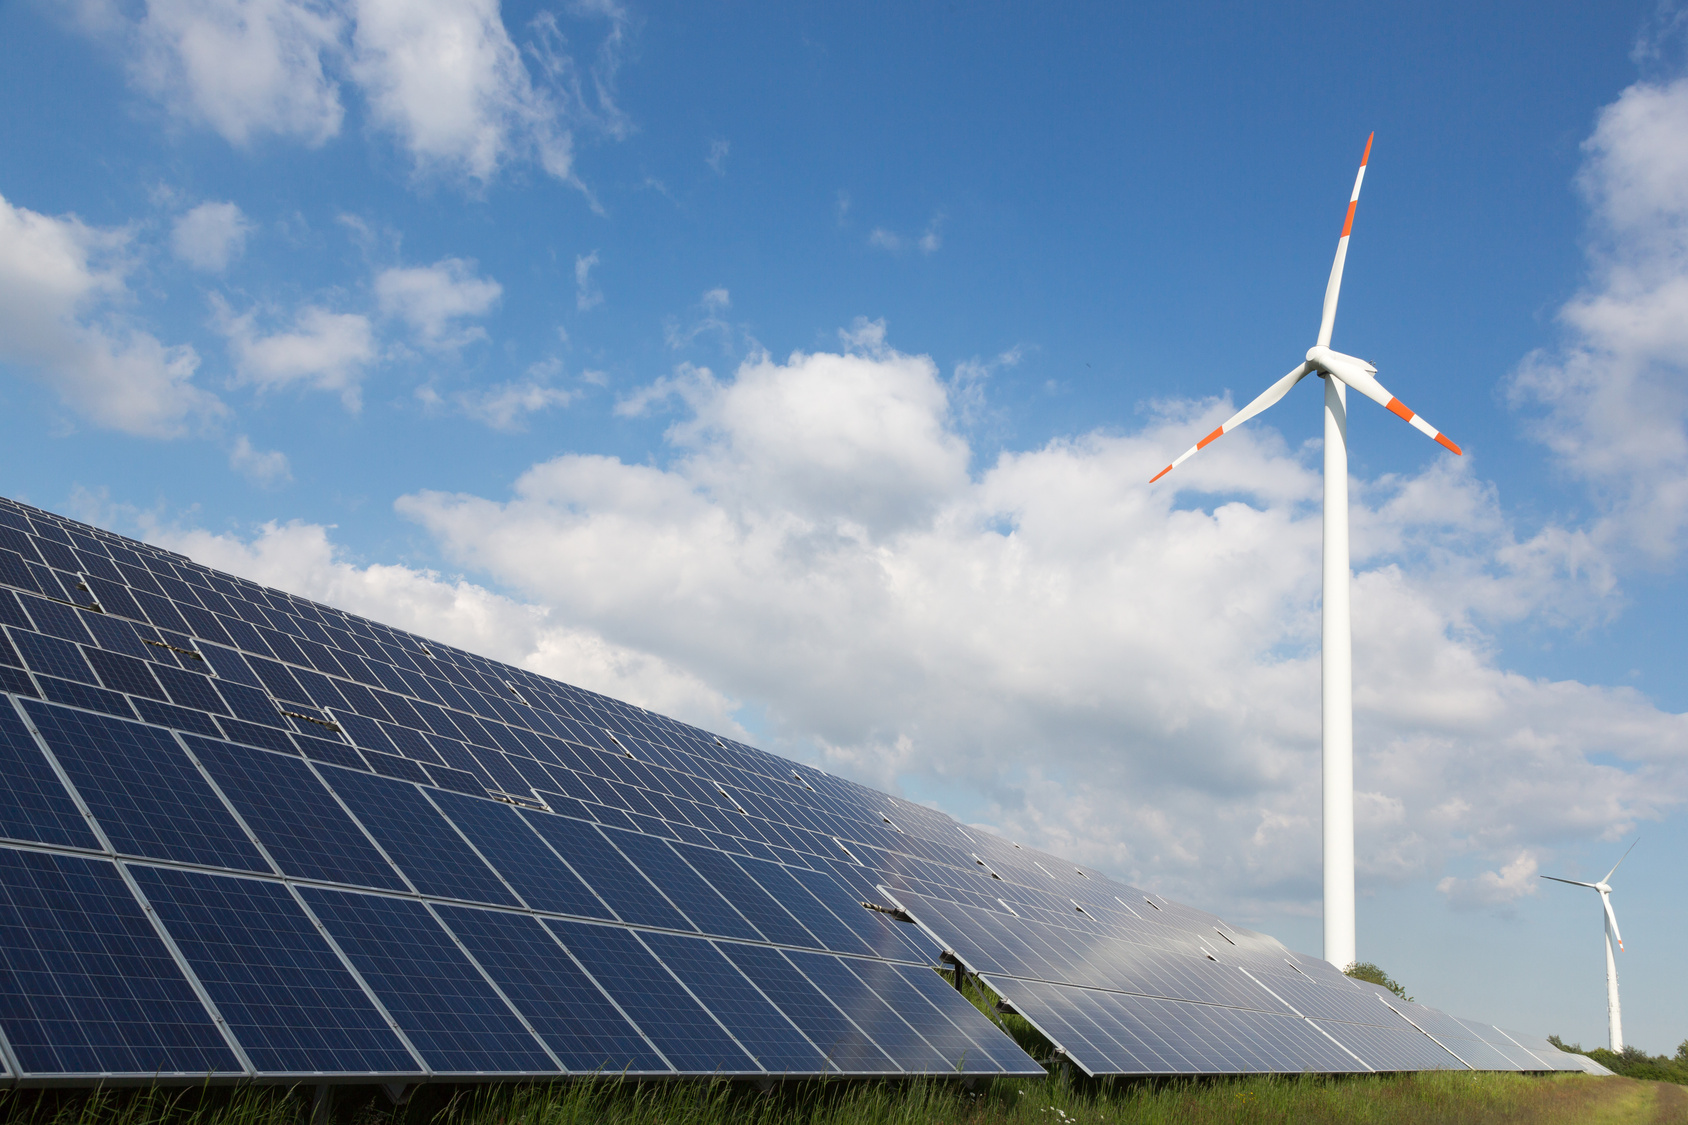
1339 372
1614 1016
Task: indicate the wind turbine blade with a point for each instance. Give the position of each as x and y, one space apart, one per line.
1266 398
1620 862
1573 882
1611 919
1333 288
1362 376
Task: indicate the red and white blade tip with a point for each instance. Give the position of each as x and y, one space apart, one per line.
1354 200
1399 409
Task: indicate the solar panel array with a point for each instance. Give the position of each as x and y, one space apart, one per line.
244 836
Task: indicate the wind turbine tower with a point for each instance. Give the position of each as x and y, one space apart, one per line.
1614 1015
1339 373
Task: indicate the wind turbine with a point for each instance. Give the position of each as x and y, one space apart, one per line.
1339 373
1614 1016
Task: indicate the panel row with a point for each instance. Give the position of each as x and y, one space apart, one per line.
91 781
299 651
113 969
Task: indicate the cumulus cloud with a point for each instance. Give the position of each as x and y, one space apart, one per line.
210 236
243 67
1613 397
435 299
300 558
444 77
62 292
1494 889
1081 661
323 350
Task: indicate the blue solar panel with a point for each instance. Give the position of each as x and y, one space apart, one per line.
287 998
934 1025
686 1034
143 790
441 1002
576 1019
86 985
805 907
415 836
527 863
772 1039
607 871
841 1041
867 1011
33 803
708 911
294 816
51 656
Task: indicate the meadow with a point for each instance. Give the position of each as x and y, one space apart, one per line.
1478 1099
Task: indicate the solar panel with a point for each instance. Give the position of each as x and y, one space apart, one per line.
247 837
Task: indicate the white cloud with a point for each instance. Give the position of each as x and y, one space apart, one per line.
885 240
505 406
264 467
1615 393
434 299
210 236
445 76
62 287
299 558
243 67
323 350
1495 889
717 158
587 295
1076 657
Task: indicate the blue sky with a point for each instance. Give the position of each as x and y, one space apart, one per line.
502 342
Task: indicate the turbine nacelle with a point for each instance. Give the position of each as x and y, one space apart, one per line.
1350 369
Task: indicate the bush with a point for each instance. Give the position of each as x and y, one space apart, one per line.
1366 971
1633 1062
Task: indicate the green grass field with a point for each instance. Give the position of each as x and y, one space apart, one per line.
1474 1098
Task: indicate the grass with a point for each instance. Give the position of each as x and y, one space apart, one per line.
1372 1100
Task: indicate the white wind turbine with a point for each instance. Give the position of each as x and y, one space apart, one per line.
1614 1017
1339 372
